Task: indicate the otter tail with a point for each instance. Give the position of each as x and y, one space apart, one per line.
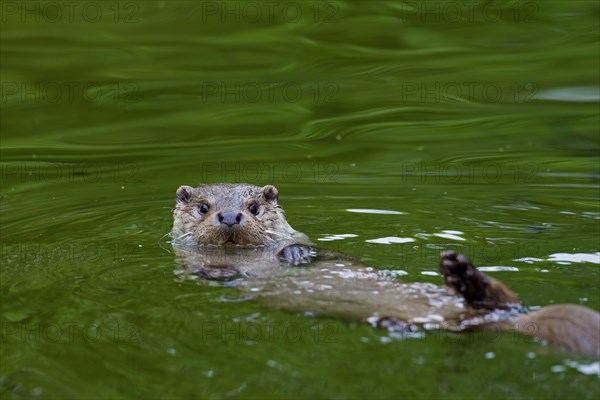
574 327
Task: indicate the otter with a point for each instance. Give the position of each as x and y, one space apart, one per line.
238 235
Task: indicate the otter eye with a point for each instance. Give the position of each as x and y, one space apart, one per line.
253 208
203 208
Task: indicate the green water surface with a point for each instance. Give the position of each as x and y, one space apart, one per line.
477 118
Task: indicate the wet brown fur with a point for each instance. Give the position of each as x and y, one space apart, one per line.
469 294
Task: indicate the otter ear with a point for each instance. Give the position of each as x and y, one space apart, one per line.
184 194
271 194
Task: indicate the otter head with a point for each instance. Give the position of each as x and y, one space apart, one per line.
237 214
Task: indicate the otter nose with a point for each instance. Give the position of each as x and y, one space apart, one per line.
229 217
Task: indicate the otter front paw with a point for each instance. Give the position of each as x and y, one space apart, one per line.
297 254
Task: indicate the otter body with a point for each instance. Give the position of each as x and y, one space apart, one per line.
238 235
